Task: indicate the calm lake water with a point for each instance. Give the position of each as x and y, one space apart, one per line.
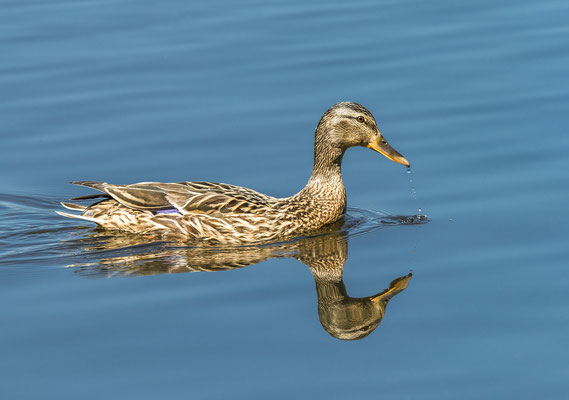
475 94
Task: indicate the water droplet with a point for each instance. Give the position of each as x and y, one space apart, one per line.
412 185
413 191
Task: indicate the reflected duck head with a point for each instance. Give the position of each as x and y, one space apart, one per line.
349 318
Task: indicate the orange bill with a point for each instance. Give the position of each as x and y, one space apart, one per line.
380 145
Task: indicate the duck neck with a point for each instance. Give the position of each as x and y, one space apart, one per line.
327 165
325 184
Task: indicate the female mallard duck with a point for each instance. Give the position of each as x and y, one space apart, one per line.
220 213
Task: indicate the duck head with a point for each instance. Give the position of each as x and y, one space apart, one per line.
348 124
352 318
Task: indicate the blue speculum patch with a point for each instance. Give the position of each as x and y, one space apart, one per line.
168 211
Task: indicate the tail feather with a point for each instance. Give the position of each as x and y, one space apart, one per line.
71 206
78 207
90 184
90 197
95 220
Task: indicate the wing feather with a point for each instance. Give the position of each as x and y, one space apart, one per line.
186 197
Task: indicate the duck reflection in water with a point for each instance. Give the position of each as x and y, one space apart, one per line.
342 316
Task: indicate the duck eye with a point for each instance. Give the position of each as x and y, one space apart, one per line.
360 118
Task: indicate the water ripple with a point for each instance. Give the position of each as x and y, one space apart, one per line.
32 234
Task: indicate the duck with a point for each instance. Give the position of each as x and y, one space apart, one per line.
220 213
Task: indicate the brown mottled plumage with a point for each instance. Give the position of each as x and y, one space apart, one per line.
220 213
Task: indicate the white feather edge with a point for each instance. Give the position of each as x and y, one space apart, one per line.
64 214
75 207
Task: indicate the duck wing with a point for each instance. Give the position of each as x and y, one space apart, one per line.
185 197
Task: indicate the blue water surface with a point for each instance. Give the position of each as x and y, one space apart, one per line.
474 93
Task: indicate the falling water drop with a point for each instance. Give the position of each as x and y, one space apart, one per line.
413 191
411 183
